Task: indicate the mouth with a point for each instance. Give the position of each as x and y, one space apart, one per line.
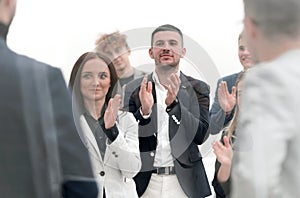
165 57
95 90
246 58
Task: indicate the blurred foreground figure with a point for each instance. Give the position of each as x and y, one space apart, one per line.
40 151
269 123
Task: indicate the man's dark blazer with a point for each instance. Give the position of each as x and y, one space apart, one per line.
39 149
188 123
218 119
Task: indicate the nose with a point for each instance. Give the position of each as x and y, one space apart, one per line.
96 81
166 46
246 51
115 56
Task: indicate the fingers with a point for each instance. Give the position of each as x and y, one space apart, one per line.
173 84
144 84
226 142
114 104
149 90
109 105
174 78
233 91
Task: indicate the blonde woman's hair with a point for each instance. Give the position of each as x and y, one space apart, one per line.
229 130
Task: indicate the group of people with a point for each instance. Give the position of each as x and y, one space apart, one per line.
119 132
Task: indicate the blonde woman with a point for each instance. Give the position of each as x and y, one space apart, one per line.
224 149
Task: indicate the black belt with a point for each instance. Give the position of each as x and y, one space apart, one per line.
170 170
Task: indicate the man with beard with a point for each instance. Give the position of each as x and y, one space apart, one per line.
172 111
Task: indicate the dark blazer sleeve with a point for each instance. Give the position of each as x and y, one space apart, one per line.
218 118
78 179
192 110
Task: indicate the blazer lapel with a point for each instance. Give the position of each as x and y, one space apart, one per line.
88 138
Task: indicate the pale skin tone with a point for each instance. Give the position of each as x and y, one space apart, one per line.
166 51
94 85
224 156
120 59
227 100
263 47
224 152
7 11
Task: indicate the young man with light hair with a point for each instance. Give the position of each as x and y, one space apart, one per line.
115 46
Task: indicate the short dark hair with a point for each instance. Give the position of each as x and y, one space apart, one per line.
167 27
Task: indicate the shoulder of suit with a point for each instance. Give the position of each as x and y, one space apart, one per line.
29 62
196 83
135 83
138 73
229 77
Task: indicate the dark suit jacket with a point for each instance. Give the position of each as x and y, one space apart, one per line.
218 119
185 136
39 146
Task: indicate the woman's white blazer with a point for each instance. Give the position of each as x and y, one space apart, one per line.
121 160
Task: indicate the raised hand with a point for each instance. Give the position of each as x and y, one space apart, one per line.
226 100
146 96
223 152
173 88
111 112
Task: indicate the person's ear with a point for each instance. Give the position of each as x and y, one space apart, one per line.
183 52
151 53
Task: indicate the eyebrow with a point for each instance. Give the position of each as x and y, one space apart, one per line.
89 72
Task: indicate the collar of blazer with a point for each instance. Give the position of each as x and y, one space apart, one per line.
88 138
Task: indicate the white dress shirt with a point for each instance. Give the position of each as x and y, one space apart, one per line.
163 156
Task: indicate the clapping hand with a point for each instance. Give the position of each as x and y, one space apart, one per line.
226 100
173 88
146 96
223 152
111 112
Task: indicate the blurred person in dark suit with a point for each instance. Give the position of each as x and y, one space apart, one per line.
41 152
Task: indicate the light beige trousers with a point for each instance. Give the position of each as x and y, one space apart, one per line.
163 186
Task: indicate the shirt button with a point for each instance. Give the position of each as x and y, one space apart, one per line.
102 173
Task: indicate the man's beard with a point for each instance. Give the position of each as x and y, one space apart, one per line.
165 66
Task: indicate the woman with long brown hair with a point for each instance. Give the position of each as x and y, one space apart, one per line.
110 134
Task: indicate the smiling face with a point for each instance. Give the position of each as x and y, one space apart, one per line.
94 80
244 54
167 49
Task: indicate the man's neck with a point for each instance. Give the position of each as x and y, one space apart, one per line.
94 108
125 73
3 30
163 75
